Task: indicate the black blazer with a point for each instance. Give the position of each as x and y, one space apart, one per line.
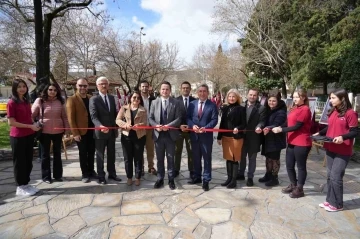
233 116
100 115
183 110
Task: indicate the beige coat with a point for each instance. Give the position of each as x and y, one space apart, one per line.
124 117
77 114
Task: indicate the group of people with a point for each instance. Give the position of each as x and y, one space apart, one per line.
162 125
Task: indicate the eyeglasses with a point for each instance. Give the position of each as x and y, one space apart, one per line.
83 86
55 90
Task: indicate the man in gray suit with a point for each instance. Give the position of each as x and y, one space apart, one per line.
165 112
103 114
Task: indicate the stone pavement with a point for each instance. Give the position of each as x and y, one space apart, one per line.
72 209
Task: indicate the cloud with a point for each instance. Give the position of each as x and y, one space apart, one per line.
187 22
137 22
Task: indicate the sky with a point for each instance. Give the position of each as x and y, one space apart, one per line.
186 22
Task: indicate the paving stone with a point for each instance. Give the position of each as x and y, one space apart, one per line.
266 218
125 232
243 216
43 199
159 200
30 227
270 230
229 230
95 215
202 231
197 205
63 204
69 225
213 215
185 235
11 217
186 219
136 220
342 222
75 212
99 231
53 236
107 200
139 207
141 194
41 209
310 226
158 231
326 235
13 207
219 198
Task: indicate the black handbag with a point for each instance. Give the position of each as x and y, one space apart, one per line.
40 124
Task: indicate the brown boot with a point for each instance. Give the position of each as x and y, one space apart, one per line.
288 189
298 192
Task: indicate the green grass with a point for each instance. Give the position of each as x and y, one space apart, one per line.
4 135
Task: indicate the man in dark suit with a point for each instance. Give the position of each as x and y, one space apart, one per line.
202 114
103 114
165 112
150 151
256 119
185 100
78 113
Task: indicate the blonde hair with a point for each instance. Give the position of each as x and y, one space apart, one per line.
237 94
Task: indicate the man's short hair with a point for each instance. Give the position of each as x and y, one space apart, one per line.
254 89
102 78
185 83
165 83
144 81
203 85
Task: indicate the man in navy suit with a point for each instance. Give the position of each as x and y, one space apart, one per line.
202 114
184 100
165 112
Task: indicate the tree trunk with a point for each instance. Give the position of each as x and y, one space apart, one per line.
39 41
325 87
46 45
283 89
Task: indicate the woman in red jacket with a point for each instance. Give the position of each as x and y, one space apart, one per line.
299 143
342 127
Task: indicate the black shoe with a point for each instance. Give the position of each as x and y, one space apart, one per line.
240 177
85 180
176 173
172 184
48 181
273 182
58 180
159 183
143 171
115 178
102 181
229 168
228 180
206 186
250 182
266 178
195 181
192 174
93 175
234 172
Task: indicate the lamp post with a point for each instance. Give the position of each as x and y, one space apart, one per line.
141 34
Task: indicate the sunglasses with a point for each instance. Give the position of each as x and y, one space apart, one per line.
83 86
55 90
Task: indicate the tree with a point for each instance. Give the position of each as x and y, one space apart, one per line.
350 76
43 24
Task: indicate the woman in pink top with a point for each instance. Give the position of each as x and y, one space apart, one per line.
50 110
21 136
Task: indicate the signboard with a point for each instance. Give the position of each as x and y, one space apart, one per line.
324 117
289 104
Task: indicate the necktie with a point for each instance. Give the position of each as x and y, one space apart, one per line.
200 109
165 111
107 104
186 103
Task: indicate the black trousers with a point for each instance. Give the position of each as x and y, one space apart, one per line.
45 141
22 153
133 150
100 145
298 155
86 148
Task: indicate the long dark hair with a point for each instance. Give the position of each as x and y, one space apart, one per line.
15 95
44 94
139 94
345 102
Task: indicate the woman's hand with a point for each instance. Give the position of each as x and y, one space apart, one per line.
266 131
235 131
258 130
277 130
127 126
35 127
338 140
219 141
316 134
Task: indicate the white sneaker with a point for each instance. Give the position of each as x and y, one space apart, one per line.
24 191
32 188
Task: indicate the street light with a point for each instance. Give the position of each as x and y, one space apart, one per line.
141 34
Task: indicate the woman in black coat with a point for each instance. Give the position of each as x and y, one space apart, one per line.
233 118
273 143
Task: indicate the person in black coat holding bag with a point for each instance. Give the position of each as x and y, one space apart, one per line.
273 143
233 118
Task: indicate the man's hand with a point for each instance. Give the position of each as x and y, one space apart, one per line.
277 130
77 138
196 128
338 140
184 128
165 128
266 131
258 130
202 130
158 127
219 141
235 131
104 129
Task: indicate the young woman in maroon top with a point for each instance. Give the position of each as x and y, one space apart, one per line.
342 127
21 136
299 143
